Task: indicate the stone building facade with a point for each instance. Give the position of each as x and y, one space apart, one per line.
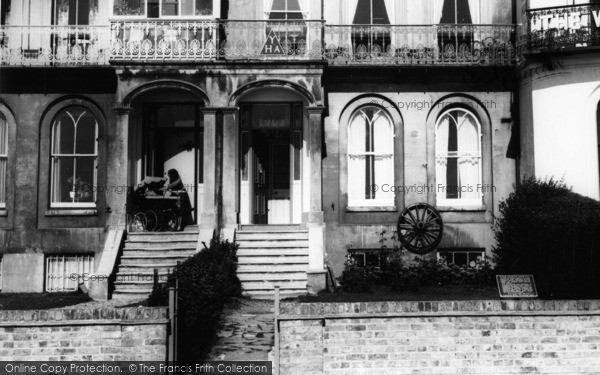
323 117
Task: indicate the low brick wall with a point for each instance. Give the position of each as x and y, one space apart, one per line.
111 334
466 337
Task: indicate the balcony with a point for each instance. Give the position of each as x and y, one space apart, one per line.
554 29
177 41
54 45
410 45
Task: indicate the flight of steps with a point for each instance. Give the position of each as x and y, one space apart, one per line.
146 251
272 255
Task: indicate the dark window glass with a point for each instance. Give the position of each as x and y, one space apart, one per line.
371 12
456 11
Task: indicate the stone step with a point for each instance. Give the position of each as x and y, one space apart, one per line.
270 236
154 262
269 268
251 252
270 228
268 286
270 296
274 260
273 244
162 245
282 276
161 236
131 293
128 253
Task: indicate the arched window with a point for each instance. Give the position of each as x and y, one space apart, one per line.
370 158
3 159
458 159
74 158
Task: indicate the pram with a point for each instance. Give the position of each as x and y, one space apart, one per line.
153 209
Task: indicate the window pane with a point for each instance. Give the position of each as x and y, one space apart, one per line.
129 7
3 180
62 179
187 7
64 134
153 9
84 181
204 8
170 7
86 135
293 5
3 135
278 5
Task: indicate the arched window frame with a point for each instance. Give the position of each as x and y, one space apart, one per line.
55 156
470 195
4 148
378 187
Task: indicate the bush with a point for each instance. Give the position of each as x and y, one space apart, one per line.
400 277
207 282
552 233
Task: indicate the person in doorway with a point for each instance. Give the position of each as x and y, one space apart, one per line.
174 185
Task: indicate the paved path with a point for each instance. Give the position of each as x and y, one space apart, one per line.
246 332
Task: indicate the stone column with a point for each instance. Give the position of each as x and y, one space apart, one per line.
117 177
118 183
208 217
230 172
315 219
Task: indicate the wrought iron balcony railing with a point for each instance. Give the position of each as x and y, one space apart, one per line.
420 45
145 41
54 45
566 27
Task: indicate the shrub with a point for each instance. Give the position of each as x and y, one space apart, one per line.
355 279
207 282
552 233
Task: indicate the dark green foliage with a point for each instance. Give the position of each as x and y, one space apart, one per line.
401 277
547 230
207 282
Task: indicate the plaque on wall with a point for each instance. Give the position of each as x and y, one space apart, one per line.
516 286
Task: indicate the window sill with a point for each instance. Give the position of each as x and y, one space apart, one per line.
3 212
72 212
371 209
476 208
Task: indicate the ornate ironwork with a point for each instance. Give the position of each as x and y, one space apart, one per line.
150 41
54 45
557 28
420 45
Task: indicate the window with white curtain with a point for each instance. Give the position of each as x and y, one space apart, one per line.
371 158
74 158
164 8
285 10
458 159
3 159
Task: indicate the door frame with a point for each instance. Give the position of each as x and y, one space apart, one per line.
249 131
197 130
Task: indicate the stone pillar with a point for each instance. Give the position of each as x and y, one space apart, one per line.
118 169
230 173
208 217
315 219
118 181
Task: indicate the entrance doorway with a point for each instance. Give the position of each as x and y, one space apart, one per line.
173 139
271 151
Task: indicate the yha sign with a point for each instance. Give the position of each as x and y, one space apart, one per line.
569 19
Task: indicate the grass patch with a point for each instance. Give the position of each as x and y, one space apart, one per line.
40 301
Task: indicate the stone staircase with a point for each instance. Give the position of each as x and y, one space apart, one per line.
146 251
272 255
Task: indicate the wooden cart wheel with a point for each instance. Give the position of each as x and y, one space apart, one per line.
420 228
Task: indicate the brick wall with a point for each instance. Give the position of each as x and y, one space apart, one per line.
122 334
470 337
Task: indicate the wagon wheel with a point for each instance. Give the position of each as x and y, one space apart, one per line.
139 222
152 224
171 220
420 228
